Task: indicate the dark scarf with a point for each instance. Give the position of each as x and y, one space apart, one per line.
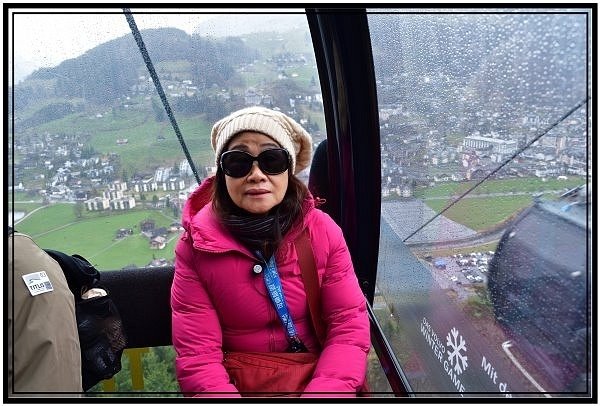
263 233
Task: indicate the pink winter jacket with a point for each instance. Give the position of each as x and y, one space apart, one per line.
219 304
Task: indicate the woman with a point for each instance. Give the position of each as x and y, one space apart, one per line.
251 211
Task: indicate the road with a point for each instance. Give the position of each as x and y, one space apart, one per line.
470 241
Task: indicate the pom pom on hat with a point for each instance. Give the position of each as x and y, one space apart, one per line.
283 129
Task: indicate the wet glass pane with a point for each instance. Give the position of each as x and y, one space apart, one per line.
483 278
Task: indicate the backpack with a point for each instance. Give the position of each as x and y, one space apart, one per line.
101 333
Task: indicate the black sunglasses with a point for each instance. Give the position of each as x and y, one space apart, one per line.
238 164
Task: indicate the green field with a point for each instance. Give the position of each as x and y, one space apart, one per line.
530 185
483 212
93 236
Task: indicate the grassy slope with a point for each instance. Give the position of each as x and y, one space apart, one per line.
93 237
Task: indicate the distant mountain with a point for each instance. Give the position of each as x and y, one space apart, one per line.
108 71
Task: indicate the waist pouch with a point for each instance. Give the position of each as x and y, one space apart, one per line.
271 373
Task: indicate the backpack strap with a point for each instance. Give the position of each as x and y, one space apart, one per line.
311 283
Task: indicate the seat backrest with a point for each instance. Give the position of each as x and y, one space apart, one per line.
142 296
318 178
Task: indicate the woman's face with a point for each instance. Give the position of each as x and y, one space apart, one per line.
256 192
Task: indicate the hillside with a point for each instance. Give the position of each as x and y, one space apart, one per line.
108 71
106 96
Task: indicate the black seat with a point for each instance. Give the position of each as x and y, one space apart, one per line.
142 296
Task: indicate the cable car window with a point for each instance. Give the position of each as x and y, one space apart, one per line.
98 168
483 281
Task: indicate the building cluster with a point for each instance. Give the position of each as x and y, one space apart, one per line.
64 171
414 155
119 196
113 197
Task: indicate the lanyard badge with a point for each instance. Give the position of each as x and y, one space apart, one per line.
273 285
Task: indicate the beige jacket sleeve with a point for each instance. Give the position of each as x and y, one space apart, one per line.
43 343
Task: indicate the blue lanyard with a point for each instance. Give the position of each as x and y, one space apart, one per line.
273 285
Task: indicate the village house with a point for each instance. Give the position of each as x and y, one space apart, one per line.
97 204
147 225
158 243
123 203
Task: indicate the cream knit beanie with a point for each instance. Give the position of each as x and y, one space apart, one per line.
283 129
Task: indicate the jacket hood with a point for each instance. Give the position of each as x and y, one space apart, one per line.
196 201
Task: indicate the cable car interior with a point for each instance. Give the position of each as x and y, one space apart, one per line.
455 156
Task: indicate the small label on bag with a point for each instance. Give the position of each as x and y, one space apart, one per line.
92 293
38 283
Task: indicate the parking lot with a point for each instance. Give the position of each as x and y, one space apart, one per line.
460 271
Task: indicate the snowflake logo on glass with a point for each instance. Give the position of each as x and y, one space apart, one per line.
455 357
